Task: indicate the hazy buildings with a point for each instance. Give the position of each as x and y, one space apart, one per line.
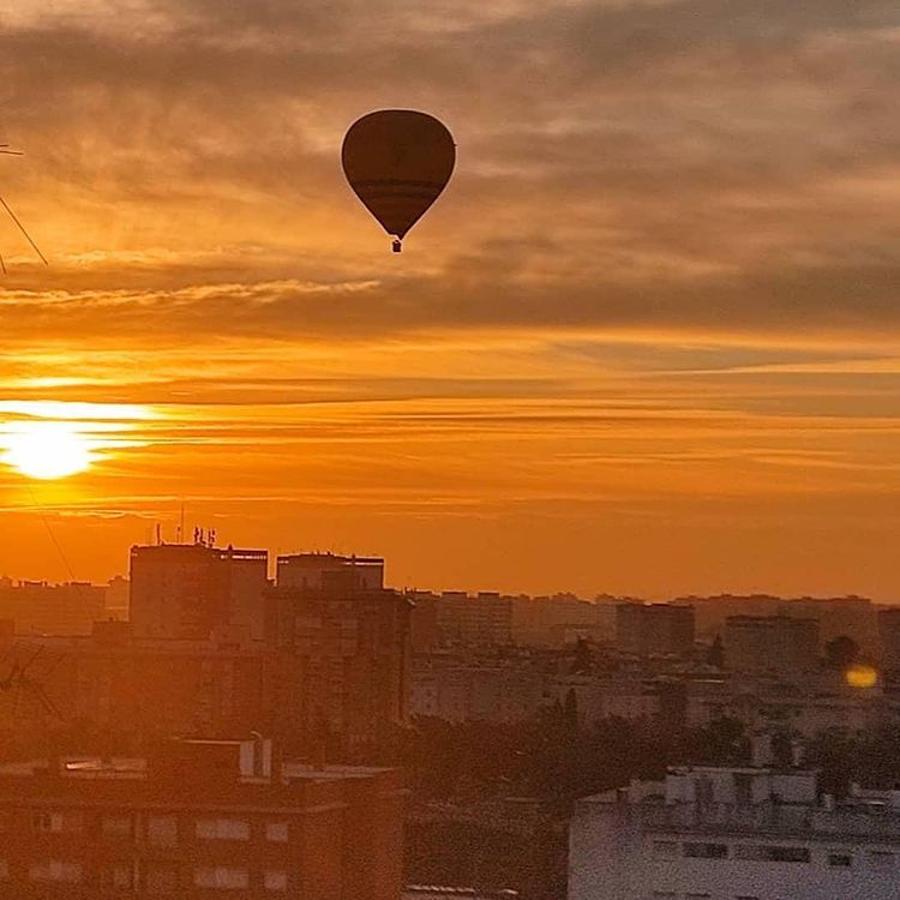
654 629
329 572
192 590
734 834
319 662
853 617
340 651
779 644
37 607
490 619
199 819
484 620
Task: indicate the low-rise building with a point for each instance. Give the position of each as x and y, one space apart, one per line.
201 819
734 834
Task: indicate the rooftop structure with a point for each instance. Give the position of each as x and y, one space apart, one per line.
327 572
191 590
725 833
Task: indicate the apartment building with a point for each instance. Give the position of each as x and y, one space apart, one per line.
735 834
201 819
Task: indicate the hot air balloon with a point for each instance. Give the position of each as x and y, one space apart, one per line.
398 161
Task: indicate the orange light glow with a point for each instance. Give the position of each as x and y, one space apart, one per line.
861 676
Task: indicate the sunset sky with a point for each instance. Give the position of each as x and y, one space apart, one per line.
647 342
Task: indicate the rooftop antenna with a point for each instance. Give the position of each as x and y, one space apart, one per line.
6 151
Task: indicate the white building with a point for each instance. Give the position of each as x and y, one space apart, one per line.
735 834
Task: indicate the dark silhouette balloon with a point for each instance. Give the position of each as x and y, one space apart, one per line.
397 162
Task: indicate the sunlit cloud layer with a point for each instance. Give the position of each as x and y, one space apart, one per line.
648 341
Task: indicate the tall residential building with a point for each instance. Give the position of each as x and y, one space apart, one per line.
199 819
780 644
194 590
734 834
340 652
37 607
655 629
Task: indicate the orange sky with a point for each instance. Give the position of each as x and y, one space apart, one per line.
647 342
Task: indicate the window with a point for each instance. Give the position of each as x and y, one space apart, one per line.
162 830
772 853
116 826
223 829
55 870
706 851
275 881
844 860
222 877
277 831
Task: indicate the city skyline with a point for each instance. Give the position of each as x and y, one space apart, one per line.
646 343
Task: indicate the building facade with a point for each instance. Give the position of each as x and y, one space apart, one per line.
777 644
734 834
194 590
37 607
201 819
655 629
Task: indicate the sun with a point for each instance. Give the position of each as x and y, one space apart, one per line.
48 450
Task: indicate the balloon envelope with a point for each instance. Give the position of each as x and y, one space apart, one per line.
397 162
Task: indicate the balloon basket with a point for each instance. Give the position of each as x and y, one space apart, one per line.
397 246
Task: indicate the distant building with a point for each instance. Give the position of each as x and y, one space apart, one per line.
483 620
192 590
745 833
654 629
340 645
853 617
779 644
806 703
196 820
41 608
423 621
478 692
889 634
330 573
117 598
